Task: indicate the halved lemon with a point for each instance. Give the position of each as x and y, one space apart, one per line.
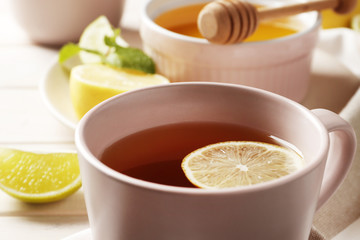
91 84
38 177
239 163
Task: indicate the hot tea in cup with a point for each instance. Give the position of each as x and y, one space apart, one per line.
156 154
156 125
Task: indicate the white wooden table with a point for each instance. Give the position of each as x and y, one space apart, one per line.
26 123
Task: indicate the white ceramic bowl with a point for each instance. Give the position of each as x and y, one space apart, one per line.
280 65
55 22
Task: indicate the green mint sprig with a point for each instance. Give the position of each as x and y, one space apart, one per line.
117 56
128 57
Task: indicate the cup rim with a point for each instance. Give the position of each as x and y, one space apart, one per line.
83 149
146 20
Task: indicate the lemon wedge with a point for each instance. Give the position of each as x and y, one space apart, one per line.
239 163
355 23
37 178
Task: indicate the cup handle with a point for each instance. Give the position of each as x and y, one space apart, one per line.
339 159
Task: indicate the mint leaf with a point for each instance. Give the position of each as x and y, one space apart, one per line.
131 58
71 49
67 51
128 57
110 41
117 56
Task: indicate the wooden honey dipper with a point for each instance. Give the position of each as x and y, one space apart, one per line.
232 21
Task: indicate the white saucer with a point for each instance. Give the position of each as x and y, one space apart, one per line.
332 85
54 89
82 235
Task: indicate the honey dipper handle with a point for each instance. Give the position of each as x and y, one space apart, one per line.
232 21
339 6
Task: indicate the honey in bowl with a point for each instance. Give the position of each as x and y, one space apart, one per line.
183 20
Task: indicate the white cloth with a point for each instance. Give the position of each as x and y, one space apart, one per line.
344 206
344 45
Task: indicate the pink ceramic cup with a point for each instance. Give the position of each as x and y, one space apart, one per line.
121 207
56 22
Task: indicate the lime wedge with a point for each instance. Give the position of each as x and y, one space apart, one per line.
93 38
38 177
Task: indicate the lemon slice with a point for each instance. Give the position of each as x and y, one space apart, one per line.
242 163
355 23
34 177
93 38
91 84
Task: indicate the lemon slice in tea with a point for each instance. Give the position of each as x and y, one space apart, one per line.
239 163
35 177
